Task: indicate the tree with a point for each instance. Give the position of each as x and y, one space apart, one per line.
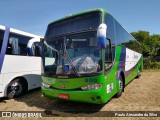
150 47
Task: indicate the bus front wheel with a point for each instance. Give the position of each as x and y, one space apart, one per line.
121 87
15 89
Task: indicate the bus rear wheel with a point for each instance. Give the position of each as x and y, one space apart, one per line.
15 89
138 74
121 87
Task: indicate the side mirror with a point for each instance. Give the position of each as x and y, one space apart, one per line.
29 45
101 36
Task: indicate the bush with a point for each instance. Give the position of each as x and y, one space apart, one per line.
158 65
150 63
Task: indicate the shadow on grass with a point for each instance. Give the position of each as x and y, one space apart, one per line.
34 98
3 100
73 109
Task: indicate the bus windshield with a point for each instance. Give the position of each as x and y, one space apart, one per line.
89 21
75 54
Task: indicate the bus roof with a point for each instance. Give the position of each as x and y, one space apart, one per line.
80 13
12 30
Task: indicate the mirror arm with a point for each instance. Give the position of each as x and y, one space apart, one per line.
108 39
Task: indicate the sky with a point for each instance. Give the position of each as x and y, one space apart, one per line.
33 16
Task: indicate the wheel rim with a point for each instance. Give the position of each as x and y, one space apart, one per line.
16 88
139 72
120 86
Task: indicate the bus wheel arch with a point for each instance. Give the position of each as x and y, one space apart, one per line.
17 87
139 71
123 78
121 84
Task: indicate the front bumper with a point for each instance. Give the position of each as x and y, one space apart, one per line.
88 96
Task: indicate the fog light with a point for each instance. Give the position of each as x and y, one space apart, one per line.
45 85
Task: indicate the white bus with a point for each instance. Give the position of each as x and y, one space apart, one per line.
20 62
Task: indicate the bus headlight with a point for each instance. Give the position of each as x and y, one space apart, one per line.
45 85
92 87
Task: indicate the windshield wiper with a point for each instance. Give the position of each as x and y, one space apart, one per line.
69 59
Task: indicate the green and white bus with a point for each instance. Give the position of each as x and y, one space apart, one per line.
89 57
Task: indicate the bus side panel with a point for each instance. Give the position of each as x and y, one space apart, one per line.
133 61
34 79
120 63
1 85
111 77
2 55
4 46
134 71
129 62
18 66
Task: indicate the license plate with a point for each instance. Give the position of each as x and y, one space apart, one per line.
63 96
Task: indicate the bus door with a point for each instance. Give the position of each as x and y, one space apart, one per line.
34 53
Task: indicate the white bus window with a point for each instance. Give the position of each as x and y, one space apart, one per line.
1 38
17 44
14 45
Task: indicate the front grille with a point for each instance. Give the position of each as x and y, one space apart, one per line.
76 89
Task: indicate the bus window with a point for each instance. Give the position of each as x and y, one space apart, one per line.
17 44
49 56
109 20
1 38
14 45
108 56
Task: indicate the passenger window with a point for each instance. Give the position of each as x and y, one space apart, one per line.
110 28
108 56
119 33
109 20
108 52
13 42
1 38
17 44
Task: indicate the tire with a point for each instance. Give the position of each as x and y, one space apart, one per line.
15 89
138 74
121 87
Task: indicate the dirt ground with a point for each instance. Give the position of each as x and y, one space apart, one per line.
141 94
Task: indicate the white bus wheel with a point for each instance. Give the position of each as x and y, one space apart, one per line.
15 89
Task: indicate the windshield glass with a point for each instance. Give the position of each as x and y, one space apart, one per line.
73 55
82 22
